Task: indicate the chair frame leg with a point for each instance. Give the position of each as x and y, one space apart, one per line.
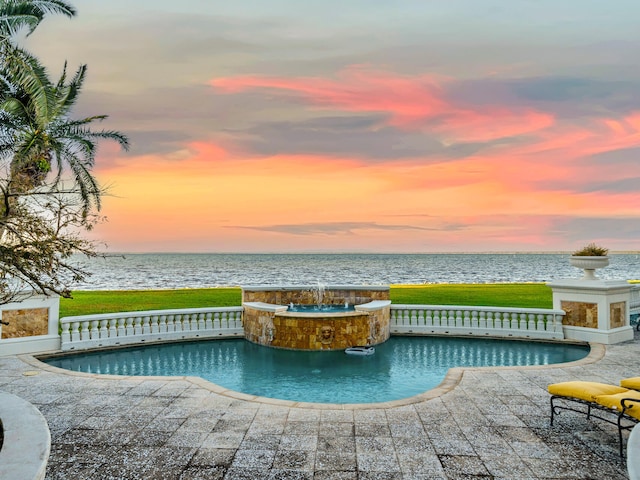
556 408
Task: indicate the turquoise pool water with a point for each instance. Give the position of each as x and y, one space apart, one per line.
321 308
400 368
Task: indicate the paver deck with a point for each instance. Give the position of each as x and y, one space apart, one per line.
494 424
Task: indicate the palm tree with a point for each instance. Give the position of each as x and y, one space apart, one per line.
36 132
21 74
19 67
41 138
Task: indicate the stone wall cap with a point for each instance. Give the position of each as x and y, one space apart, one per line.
285 288
373 305
267 307
597 284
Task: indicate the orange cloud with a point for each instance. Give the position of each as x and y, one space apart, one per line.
213 199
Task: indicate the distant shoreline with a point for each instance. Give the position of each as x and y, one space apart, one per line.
558 252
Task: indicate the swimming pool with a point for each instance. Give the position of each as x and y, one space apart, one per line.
401 367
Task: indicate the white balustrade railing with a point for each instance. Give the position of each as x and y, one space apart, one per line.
111 329
478 321
126 328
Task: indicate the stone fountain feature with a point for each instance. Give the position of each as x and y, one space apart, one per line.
316 317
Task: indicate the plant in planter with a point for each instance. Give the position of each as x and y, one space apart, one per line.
591 250
589 258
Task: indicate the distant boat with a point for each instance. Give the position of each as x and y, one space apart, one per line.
363 350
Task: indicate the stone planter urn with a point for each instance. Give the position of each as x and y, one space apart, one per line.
589 265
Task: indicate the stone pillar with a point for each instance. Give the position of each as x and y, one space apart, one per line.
33 325
596 310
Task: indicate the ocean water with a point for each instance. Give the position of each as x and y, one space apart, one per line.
185 270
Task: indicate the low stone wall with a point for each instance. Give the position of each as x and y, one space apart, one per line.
267 320
308 295
32 325
319 331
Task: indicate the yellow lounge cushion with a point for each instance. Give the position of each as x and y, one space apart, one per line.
615 401
633 383
587 391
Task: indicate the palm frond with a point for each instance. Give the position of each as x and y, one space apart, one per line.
16 15
31 76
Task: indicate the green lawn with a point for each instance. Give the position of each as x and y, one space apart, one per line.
532 295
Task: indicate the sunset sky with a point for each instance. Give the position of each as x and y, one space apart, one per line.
361 125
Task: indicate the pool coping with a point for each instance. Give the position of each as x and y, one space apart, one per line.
451 379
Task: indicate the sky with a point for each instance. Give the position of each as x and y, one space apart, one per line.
409 126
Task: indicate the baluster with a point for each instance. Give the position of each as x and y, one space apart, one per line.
557 323
550 323
429 318
494 319
420 319
162 324
103 332
75 332
112 328
155 327
532 322
188 322
129 331
121 332
217 325
541 323
201 321
515 324
466 318
65 335
137 326
94 333
146 324
449 318
414 317
406 317
436 317
171 323
482 320
178 319
474 319
455 317
208 323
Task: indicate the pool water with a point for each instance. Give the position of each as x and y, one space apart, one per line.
321 308
400 368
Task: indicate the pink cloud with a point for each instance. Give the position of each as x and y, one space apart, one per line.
411 102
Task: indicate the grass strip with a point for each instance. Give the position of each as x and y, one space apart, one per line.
528 295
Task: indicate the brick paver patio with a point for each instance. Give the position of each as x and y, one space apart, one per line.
494 424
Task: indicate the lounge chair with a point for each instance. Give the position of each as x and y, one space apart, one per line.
623 401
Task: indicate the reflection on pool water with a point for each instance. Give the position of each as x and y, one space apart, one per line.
400 368
296 307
